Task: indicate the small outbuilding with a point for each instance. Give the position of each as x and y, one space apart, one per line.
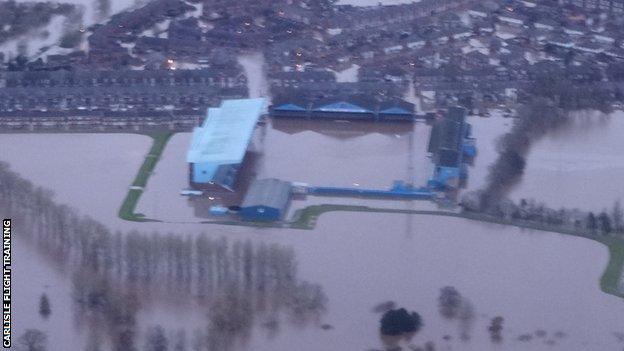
267 200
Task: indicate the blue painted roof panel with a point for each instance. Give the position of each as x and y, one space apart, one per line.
291 107
342 107
396 110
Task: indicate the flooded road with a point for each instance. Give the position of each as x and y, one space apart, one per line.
540 283
255 71
48 37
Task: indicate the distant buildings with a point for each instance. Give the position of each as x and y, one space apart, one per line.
375 16
63 91
610 6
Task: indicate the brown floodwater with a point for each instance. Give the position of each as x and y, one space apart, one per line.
535 280
580 166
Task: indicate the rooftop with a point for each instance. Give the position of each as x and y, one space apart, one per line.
268 192
225 134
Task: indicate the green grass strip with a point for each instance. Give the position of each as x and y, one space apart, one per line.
610 280
126 212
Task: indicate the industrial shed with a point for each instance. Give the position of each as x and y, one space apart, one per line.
290 106
396 110
267 200
219 146
450 144
351 107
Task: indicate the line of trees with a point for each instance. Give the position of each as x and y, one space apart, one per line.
238 283
605 222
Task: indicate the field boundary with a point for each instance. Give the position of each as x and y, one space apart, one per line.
307 217
126 211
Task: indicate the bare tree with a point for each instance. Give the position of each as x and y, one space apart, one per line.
32 340
618 217
449 302
496 329
44 306
466 319
156 340
179 343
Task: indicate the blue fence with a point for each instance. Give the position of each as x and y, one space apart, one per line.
399 191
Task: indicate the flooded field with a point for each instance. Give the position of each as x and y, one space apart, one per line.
91 172
365 155
538 282
544 285
487 131
580 166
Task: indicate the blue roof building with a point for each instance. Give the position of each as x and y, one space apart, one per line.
267 200
396 110
219 145
291 106
451 147
353 107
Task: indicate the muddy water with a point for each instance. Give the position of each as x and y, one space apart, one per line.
487 130
254 67
488 264
35 275
365 155
75 165
535 280
580 166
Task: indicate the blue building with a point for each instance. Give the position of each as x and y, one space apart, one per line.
291 107
218 147
451 147
344 108
267 200
396 110
356 107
